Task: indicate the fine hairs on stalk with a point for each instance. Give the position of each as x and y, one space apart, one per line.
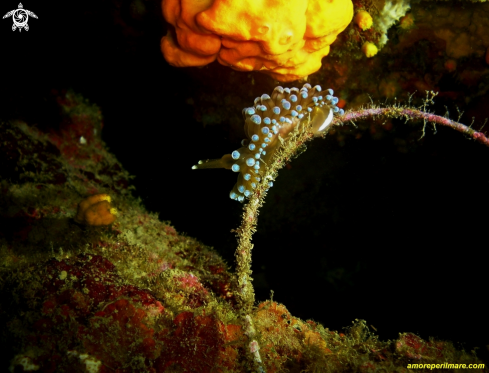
317 121
288 150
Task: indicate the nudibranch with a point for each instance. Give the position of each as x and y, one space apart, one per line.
267 124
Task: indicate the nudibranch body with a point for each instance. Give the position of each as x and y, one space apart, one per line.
269 118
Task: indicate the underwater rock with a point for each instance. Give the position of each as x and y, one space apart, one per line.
136 296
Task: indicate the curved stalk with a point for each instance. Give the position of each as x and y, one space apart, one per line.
245 293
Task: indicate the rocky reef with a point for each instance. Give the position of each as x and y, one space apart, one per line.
131 294
382 221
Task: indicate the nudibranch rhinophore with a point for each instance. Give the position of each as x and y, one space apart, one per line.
270 118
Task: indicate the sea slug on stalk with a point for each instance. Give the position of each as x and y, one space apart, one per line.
270 118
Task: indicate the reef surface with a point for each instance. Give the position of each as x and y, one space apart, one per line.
135 295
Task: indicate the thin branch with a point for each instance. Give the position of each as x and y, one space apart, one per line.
412 113
288 149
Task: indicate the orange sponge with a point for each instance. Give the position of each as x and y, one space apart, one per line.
95 210
285 39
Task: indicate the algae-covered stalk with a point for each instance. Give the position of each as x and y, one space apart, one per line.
284 145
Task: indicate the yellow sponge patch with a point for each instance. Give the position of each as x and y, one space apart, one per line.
369 49
363 19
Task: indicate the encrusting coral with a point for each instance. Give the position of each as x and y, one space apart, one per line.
284 39
392 11
461 27
137 296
